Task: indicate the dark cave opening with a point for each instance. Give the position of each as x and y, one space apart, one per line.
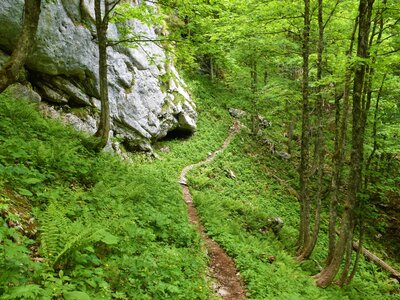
177 134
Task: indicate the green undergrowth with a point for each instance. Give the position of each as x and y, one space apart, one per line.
80 225
237 212
76 224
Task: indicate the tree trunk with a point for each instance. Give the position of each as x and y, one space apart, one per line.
319 144
327 275
265 75
375 129
368 91
304 230
253 97
339 154
358 255
289 126
101 29
212 68
369 96
10 73
348 256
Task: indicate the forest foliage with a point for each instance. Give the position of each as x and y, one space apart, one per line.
327 71
81 225
93 227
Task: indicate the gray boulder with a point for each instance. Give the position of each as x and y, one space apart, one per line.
147 97
23 92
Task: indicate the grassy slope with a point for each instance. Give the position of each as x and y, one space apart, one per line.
234 211
122 229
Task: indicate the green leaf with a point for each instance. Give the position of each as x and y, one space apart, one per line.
109 239
76 295
30 291
25 192
32 180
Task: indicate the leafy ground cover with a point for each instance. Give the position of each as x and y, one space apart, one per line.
79 225
98 227
236 211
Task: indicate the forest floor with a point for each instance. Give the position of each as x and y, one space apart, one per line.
222 268
112 229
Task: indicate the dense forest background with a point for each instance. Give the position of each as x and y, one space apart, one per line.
315 85
326 72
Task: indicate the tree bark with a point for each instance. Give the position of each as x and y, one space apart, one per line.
339 154
368 92
101 29
253 97
369 95
358 255
348 256
327 275
319 143
10 73
304 230
375 128
289 126
212 76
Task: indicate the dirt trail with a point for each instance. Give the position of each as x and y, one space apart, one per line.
228 285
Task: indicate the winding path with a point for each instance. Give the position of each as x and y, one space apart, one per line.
228 284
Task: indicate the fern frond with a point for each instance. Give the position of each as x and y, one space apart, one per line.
53 222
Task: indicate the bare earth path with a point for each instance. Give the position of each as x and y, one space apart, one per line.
228 286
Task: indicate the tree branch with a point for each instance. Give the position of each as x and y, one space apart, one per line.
139 40
110 9
331 14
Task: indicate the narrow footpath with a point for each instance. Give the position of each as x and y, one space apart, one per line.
228 285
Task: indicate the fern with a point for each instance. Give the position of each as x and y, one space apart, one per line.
61 236
54 222
85 237
30 291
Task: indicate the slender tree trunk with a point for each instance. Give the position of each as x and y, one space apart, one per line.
327 275
366 107
348 256
369 96
358 255
375 128
265 75
305 207
101 29
289 126
340 144
10 73
319 143
254 83
212 76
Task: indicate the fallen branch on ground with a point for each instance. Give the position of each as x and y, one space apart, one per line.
379 262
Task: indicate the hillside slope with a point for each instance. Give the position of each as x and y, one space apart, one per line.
96 225
79 225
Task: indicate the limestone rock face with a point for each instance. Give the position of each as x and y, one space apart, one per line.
147 97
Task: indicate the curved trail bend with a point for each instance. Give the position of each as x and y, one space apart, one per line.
228 286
